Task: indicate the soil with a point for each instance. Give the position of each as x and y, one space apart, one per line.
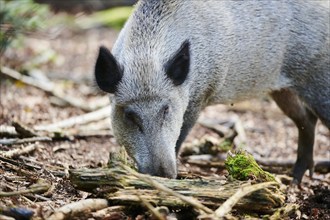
269 134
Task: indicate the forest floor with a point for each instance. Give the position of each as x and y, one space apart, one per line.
67 61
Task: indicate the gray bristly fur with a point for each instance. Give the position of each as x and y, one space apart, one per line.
237 50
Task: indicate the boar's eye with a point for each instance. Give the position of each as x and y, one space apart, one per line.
166 110
133 118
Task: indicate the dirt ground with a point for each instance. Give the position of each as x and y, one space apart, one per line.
270 136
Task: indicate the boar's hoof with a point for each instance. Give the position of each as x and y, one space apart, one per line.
300 168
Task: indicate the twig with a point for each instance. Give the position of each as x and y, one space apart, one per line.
24 140
23 130
228 205
150 208
78 120
41 164
284 212
191 201
46 86
70 210
221 130
238 126
92 133
19 151
27 200
96 127
104 213
38 188
7 131
20 166
40 198
22 169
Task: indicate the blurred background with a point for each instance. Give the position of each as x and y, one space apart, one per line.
37 35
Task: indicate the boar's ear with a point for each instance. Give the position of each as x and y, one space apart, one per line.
177 67
107 71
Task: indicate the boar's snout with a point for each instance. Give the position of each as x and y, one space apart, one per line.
168 171
160 168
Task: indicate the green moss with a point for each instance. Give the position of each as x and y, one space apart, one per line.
242 166
120 156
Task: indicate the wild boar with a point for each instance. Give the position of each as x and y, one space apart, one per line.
175 57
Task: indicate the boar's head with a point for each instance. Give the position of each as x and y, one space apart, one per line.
150 97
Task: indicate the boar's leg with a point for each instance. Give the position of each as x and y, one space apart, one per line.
320 103
305 121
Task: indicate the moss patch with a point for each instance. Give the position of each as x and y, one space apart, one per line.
242 166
